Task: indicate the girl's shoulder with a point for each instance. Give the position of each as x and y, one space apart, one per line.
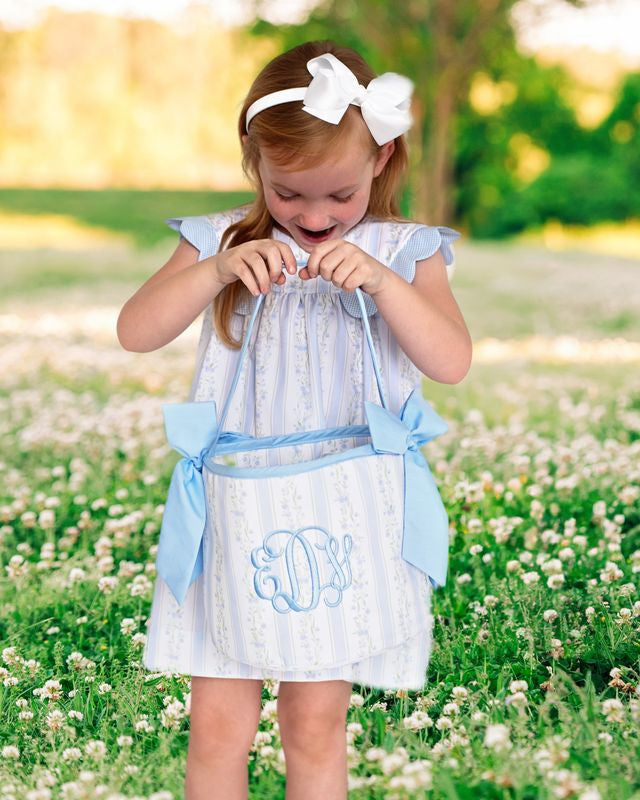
204 231
399 244
405 241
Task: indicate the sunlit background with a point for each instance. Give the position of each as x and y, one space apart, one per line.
116 115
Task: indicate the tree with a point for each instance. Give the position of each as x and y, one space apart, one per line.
440 45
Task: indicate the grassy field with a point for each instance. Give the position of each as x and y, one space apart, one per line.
533 689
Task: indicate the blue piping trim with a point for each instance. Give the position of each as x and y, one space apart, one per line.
232 442
289 469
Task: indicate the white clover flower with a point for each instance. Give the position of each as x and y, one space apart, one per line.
417 721
394 760
54 720
71 754
52 690
550 615
611 572
172 715
613 709
47 519
517 698
95 748
591 793
567 783
17 567
127 626
76 574
107 584
375 753
529 578
497 737
624 616
28 519
140 586
491 601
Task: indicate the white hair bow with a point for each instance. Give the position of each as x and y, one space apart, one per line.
385 102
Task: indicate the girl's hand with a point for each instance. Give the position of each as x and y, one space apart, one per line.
345 265
257 264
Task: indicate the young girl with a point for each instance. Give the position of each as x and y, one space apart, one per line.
323 143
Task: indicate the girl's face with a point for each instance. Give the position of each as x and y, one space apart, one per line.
324 202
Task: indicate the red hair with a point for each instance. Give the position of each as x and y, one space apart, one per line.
300 140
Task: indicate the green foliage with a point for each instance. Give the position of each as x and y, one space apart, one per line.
593 175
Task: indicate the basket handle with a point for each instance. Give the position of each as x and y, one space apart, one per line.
245 345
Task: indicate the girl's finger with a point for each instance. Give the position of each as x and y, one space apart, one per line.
287 256
329 263
344 271
273 257
247 277
318 254
260 271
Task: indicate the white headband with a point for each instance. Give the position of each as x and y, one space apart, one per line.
385 102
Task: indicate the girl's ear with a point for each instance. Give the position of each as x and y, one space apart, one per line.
384 154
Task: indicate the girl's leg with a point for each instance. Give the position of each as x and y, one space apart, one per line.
225 713
312 718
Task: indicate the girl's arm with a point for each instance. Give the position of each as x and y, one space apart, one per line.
174 296
426 320
168 302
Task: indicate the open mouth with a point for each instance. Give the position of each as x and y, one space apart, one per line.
316 236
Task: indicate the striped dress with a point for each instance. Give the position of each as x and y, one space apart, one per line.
309 368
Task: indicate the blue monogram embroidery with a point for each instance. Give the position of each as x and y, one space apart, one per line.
263 556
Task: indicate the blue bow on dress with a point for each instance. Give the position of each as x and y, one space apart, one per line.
425 541
190 429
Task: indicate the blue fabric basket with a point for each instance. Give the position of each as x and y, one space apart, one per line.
312 563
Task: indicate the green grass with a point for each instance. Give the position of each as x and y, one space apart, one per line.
138 213
539 474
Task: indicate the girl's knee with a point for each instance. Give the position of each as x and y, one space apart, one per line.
313 717
224 717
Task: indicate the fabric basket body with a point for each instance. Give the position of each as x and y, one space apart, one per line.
305 571
307 564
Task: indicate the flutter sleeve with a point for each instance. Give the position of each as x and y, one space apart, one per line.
198 231
423 242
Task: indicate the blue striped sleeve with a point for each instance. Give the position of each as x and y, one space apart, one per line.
198 231
423 242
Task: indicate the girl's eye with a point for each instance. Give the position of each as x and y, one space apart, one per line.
344 199
285 196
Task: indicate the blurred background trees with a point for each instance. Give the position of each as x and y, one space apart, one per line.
503 140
